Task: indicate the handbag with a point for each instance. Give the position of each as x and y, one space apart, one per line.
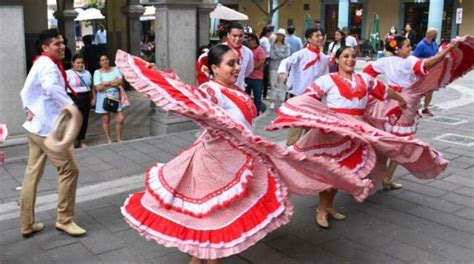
110 103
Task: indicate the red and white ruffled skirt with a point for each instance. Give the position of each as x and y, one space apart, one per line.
213 200
353 143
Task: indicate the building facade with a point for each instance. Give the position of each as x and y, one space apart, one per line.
358 15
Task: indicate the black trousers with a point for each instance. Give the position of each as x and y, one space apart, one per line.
83 102
266 78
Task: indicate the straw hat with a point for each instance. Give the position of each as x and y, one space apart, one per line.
65 132
281 31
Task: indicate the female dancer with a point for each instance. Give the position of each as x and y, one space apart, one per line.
341 132
223 194
402 71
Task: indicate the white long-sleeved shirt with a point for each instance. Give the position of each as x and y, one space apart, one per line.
44 94
266 45
246 66
299 79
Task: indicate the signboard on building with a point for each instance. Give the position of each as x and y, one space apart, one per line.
458 15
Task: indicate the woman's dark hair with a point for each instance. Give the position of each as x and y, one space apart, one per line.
266 29
103 54
254 37
342 49
215 55
392 44
310 31
223 33
77 56
201 50
342 41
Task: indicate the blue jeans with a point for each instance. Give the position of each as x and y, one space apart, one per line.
256 87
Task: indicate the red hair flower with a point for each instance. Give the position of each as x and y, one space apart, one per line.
393 43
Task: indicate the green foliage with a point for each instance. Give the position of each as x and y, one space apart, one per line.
95 4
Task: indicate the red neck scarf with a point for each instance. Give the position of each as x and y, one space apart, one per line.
237 48
61 69
312 62
345 87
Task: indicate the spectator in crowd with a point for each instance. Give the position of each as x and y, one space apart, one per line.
101 38
255 80
278 51
391 33
80 80
410 34
350 40
43 96
107 82
292 40
427 48
339 41
91 53
67 62
317 25
266 42
147 47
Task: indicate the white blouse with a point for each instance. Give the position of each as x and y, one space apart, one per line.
349 96
401 72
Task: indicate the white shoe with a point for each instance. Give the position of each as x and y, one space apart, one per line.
272 105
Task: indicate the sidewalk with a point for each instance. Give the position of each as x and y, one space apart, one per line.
428 221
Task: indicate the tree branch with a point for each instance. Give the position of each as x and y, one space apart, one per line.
280 6
260 7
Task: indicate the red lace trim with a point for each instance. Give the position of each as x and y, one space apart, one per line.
255 216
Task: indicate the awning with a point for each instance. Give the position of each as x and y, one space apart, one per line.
149 14
90 14
225 13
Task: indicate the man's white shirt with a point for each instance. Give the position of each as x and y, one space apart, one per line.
44 94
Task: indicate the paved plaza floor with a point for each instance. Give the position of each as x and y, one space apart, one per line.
428 221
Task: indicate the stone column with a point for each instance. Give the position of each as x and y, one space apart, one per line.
133 13
435 17
180 27
343 18
36 13
13 65
276 16
204 23
66 26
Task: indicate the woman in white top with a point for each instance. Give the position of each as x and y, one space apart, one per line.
339 41
279 50
81 81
